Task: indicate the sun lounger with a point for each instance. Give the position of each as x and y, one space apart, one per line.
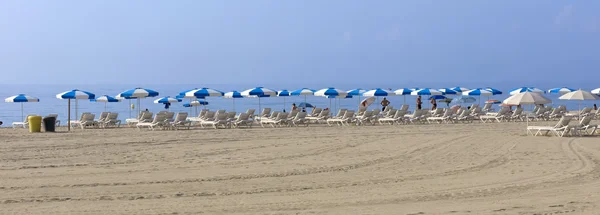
111 120
397 118
300 119
365 118
560 129
585 126
447 117
415 117
157 121
499 116
280 119
324 115
87 120
346 119
23 124
242 120
220 120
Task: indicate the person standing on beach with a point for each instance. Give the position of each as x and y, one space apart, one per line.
433 103
384 103
419 103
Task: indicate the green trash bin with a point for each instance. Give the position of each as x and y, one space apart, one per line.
35 123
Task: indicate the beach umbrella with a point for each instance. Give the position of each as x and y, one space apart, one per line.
303 92
494 91
596 91
137 93
463 99
283 93
426 92
525 89
478 92
579 95
367 102
493 101
377 92
437 97
21 98
403 92
195 103
460 89
561 90
526 98
233 95
448 91
105 99
356 92
74 94
259 92
167 101
202 93
305 105
330 92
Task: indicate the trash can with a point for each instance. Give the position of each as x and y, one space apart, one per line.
35 123
49 124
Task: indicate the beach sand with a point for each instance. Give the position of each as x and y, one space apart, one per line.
407 169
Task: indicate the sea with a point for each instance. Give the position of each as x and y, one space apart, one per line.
11 112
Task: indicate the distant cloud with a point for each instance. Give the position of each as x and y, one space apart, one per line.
564 15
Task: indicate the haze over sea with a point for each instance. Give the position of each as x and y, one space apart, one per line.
11 112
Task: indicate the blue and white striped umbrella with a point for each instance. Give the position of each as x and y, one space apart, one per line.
233 95
494 91
596 91
525 89
167 99
403 91
426 91
259 92
196 103
339 97
106 99
561 90
303 92
478 92
448 91
138 93
21 98
202 93
460 89
74 94
284 93
379 92
356 92
330 92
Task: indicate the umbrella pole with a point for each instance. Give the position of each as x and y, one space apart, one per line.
22 118
76 107
259 107
129 107
139 108
404 98
305 100
69 116
105 103
191 107
233 99
284 104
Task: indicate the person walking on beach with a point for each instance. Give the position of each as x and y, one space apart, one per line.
384 103
433 103
419 103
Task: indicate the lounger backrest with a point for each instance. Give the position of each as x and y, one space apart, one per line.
349 114
392 112
324 113
368 114
536 109
477 105
438 111
448 112
231 115
202 113
586 120
564 121
404 107
487 106
340 113
250 112
586 110
293 112
243 117
113 116
209 115
266 112
274 114
181 117
103 115
222 117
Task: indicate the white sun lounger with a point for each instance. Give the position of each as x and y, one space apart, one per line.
560 129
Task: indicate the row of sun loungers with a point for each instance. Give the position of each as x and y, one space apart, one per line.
563 127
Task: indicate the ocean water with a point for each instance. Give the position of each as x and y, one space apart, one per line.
11 112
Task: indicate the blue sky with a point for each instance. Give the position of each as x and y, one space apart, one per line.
311 41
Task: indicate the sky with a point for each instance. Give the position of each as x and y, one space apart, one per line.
263 42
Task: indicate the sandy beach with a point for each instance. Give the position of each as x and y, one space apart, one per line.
407 169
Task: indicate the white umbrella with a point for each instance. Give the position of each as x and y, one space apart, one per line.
579 95
526 98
